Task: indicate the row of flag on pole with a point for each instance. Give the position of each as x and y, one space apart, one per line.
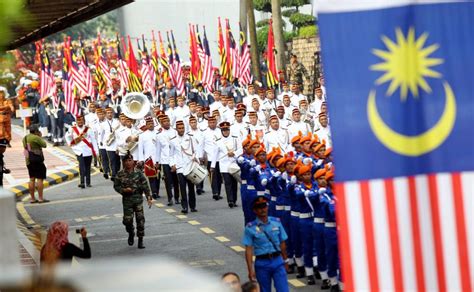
143 73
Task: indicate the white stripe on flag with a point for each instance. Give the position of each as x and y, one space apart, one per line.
331 6
378 196
405 233
356 236
448 230
467 180
426 232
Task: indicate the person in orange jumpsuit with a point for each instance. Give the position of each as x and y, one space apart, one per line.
6 109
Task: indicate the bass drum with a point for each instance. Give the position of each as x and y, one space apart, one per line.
195 173
234 170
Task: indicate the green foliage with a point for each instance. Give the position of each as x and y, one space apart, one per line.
299 20
106 24
262 37
11 14
262 5
308 31
262 23
289 12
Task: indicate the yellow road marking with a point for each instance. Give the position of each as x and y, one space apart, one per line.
78 220
68 173
296 283
237 248
222 239
75 200
207 230
170 210
181 216
15 190
159 205
99 217
118 215
56 177
21 209
194 222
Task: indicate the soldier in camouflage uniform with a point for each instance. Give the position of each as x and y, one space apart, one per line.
296 70
131 184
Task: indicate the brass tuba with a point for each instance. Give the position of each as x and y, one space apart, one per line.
135 105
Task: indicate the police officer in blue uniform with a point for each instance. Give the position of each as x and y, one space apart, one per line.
265 238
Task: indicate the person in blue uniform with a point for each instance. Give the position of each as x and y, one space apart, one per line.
330 231
306 189
265 238
244 162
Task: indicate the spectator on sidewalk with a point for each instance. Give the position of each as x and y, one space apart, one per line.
33 144
250 286
58 247
232 280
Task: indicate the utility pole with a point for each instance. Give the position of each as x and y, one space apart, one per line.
243 16
253 41
278 32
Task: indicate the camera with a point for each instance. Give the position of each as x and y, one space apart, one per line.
78 230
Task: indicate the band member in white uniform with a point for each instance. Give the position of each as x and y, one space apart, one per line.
81 139
183 154
107 137
276 137
147 156
211 134
227 150
297 125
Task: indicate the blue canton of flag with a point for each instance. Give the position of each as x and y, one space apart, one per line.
400 82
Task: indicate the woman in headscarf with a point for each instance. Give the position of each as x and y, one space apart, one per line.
58 247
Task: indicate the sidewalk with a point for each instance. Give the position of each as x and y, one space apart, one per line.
56 160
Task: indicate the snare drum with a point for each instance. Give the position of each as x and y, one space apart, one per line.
195 173
234 170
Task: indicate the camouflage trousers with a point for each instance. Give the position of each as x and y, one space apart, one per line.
128 209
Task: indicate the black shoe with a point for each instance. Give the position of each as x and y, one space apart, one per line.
9 145
184 211
291 269
176 202
326 284
194 210
219 197
199 192
317 275
155 196
335 288
300 272
55 144
140 243
89 185
170 203
131 237
82 186
235 205
311 280
106 176
112 178
215 197
231 205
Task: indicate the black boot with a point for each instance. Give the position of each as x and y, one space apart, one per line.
317 275
326 284
131 237
300 272
311 280
291 269
335 288
140 243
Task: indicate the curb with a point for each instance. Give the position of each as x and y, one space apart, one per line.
52 179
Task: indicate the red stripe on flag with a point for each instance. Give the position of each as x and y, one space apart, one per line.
435 220
394 236
343 235
369 235
420 274
461 232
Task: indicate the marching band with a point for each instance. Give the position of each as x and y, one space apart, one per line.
271 144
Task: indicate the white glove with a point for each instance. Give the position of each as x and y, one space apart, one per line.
284 175
253 162
319 163
276 174
264 182
299 158
322 191
258 167
307 161
306 193
293 179
329 165
240 160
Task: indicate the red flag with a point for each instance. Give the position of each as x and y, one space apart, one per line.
272 72
134 83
